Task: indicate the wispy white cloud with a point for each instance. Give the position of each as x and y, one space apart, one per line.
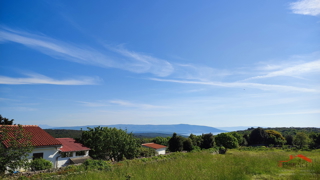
119 103
19 108
133 62
143 63
137 105
41 79
293 71
93 104
241 85
306 7
196 72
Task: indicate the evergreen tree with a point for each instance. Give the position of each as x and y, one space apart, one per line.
258 136
187 145
175 143
207 141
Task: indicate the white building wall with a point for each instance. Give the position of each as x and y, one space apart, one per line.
161 151
49 153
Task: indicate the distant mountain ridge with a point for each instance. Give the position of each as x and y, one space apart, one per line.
177 128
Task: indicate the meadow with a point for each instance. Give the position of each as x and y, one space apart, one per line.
236 164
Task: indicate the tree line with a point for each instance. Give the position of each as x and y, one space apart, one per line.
256 137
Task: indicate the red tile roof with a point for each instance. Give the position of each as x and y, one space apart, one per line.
154 145
69 144
39 137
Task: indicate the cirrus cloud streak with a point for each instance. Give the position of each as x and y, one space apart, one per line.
41 79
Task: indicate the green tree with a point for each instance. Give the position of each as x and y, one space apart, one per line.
196 140
207 141
289 139
246 139
315 140
110 143
187 145
15 146
161 140
238 137
301 139
175 143
275 138
258 136
5 121
226 140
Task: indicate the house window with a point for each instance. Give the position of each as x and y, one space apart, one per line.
37 156
80 153
66 154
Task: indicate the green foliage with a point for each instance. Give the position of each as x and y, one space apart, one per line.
275 137
241 140
187 145
301 139
97 165
226 140
161 140
196 140
207 141
315 140
196 149
287 130
110 143
5 121
40 164
146 152
15 154
175 143
258 136
289 139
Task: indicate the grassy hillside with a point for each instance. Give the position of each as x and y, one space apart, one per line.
262 164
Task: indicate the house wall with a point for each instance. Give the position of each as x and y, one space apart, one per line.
161 151
49 153
66 161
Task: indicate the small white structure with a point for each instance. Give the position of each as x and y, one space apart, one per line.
160 149
71 152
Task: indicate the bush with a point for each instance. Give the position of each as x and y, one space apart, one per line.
40 164
146 152
196 149
97 164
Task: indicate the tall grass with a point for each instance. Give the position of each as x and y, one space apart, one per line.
204 165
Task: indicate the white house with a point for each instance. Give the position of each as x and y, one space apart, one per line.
71 152
160 149
60 151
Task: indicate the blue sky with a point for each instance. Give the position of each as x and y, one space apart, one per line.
213 63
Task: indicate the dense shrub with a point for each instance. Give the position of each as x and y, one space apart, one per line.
40 164
146 152
97 164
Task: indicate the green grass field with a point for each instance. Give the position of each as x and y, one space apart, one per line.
205 165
